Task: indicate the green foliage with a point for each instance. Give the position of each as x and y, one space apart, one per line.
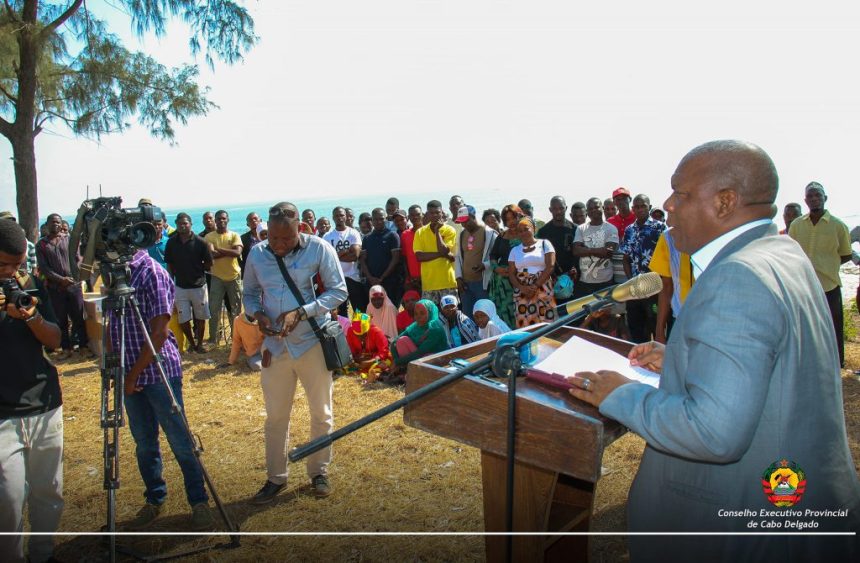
850 318
87 80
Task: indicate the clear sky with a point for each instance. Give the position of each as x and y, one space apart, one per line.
526 98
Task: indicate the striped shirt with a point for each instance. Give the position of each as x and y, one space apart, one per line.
154 293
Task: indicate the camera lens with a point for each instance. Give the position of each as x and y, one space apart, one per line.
142 235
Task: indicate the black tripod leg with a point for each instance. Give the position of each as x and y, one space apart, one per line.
195 443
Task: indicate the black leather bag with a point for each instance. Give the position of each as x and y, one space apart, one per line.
332 339
334 345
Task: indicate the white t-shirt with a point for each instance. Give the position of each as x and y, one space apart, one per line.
591 268
533 261
341 240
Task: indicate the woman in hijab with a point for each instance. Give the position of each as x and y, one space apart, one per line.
423 337
459 329
489 323
500 289
530 268
404 317
382 312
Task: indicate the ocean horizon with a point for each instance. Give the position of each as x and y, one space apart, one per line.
481 200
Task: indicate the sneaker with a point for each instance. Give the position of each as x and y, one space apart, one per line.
145 516
267 493
201 517
320 486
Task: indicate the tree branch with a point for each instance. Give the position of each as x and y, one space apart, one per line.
62 18
8 94
10 12
5 128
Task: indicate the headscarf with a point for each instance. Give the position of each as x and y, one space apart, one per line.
417 332
496 325
360 323
386 316
468 329
404 319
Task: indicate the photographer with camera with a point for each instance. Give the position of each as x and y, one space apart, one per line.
31 412
147 400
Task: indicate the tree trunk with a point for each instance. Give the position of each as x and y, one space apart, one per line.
24 158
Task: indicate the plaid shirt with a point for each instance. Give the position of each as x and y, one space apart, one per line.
154 292
639 244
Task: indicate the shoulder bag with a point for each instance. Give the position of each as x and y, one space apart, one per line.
334 345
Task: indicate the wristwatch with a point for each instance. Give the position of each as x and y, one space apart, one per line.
33 317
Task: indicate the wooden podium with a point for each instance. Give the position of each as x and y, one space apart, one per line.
559 447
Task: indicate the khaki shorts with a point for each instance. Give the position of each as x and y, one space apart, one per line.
192 303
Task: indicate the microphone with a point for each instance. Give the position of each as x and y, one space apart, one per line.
639 287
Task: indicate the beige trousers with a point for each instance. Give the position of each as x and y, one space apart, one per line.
31 471
279 389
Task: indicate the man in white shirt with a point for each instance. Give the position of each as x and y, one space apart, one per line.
347 243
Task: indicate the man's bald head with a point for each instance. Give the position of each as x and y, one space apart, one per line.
739 166
717 187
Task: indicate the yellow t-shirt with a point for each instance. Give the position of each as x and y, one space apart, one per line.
226 268
439 272
824 244
661 264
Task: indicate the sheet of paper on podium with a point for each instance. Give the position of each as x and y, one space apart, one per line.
578 354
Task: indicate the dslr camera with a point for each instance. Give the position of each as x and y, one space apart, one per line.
15 295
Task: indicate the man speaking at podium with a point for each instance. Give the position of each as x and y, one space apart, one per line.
746 432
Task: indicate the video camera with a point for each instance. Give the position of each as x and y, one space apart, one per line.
107 233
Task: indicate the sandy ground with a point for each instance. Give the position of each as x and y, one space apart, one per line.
387 477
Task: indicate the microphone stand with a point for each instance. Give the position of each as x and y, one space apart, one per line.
505 362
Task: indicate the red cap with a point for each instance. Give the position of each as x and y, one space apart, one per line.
620 191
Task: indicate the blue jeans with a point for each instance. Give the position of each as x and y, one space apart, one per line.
474 292
147 409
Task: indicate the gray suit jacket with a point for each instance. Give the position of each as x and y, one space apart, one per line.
750 377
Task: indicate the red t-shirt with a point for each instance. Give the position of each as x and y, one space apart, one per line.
406 239
621 223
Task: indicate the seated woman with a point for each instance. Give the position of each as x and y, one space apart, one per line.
530 267
382 312
246 338
404 317
459 329
488 321
370 353
423 337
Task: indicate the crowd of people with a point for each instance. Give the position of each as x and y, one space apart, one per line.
403 283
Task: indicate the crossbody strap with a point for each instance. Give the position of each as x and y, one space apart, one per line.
294 289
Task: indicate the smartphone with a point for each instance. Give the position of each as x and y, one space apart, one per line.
271 331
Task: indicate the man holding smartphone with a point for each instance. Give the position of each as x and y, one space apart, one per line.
292 352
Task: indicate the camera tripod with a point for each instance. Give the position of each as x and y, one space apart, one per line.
120 300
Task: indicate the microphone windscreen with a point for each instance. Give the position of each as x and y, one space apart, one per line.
646 285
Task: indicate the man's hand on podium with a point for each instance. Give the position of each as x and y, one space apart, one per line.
593 387
648 356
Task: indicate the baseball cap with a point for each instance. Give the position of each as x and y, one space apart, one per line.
463 213
7 215
620 191
144 201
447 300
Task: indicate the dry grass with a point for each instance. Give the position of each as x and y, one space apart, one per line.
386 477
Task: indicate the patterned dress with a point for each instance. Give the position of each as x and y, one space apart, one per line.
541 306
500 289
